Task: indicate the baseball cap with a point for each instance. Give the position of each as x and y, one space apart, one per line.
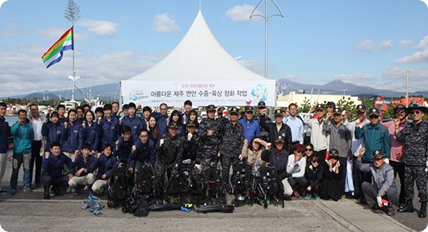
333 153
234 111
400 107
330 103
248 109
220 109
361 108
374 111
261 105
319 107
173 125
191 123
211 108
279 139
278 112
378 154
337 111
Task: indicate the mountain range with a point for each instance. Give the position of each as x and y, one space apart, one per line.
111 91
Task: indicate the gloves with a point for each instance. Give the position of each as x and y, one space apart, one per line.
379 201
199 167
189 136
387 160
426 169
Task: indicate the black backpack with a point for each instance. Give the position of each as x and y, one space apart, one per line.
144 179
269 188
119 186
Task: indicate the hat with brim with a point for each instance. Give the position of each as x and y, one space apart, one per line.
278 113
374 112
211 108
279 139
337 111
248 109
173 125
234 111
361 108
417 107
334 153
378 154
320 107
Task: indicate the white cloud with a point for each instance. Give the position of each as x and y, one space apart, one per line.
54 33
102 28
417 57
370 46
257 66
394 77
422 45
405 42
165 23
242 13
362 79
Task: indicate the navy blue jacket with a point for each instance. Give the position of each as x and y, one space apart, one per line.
80 163
136 124
90 136
143 152
72 138
4 134
105 165
162 125
123 154
108 131
52 132
53 166
62 120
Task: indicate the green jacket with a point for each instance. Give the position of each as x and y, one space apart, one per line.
23 137
376 137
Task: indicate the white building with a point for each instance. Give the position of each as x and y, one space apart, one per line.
299 99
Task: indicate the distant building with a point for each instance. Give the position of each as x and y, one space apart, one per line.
299 99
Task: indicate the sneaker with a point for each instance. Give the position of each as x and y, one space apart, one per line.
390 213
68 190
28 189
316 197
2 192
12 191
308 196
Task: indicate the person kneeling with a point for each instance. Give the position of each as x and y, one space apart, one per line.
296 168
83 176
332 184
105 164
314 173
383 192
52 170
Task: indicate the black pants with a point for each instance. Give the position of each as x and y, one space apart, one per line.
370 193
399 169
35 156
331 188
316 189
297 183
321 154
48 181
358 178
226 160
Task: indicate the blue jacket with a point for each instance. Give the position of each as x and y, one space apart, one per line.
62 120
23 137
136 124
251 129
4 134
53 166
90 136
376 137
105 165
123 154
162 125
144 152
52 132
108 131
80 163
72 138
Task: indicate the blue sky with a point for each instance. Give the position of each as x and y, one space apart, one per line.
364 42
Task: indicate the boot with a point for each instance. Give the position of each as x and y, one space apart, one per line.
423 211
408 207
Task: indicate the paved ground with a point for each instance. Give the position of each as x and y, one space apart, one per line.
28 212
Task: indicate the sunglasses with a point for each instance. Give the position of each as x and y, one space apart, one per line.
315 161
400 111
334 157
330 107
262 107
415 112
374 116
308 149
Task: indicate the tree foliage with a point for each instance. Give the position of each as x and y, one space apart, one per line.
72 12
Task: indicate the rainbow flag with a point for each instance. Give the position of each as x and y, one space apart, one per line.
54 54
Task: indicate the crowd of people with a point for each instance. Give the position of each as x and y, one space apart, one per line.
354 159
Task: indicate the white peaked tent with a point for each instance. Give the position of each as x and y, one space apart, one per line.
200 70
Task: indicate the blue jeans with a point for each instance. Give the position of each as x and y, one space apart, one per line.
19 159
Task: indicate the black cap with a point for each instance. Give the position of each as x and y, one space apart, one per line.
191 123
248 109
188 102
210 108
132 105
279 139
374 112
261 105
361 108
378 154
278 112
417 106
337 111
320 107
400 107
146 108
220 109
333 153
234 111
107 107
173 125
330 103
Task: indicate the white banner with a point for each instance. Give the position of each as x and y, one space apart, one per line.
201 93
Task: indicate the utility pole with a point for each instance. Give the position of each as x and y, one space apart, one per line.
407 88
266 17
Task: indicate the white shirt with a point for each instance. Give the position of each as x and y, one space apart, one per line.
319 137
356 143
37 128
296 126
296 169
